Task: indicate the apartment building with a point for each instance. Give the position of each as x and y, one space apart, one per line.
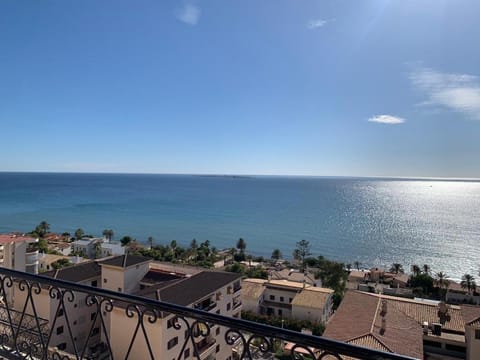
18 252
418 328
212 291
71 318
287 299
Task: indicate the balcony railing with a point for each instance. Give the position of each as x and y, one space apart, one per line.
24 334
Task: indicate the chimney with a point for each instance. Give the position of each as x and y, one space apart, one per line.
384 325
384 308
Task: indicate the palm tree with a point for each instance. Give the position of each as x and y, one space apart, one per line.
150 241
241 245
426 269
416 270
79 233
42 228
276 254
468 282
108 233
357 264
397 268
349 267
440 279
442 282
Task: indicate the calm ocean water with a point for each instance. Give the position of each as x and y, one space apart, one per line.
374 221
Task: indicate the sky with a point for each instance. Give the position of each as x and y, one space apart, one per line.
318 88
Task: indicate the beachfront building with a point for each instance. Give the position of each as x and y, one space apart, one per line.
19 252
96 248
287 299
418 328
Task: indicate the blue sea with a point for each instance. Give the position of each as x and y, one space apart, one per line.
374 221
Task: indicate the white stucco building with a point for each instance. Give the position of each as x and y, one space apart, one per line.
18 252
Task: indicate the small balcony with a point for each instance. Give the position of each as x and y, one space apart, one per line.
25 334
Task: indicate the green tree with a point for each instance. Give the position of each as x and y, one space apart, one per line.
423 282
416 270
79 233
42 246
126 240
61 263
357 264
150 241
442 283
468 282
108 233
276 254
42 228
241 245
397 268
302 250
426 269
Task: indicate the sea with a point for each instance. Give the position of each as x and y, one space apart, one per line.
374 221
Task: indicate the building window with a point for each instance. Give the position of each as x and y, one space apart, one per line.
96 331
94 283
92 316
290 300
272 297
62 346
279 312
119 289
217 348
186 353
477 334
104 280
229 305
59 330
281 298
172 342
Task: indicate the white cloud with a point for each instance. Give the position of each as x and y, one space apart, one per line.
317 23
189 14
458 92
387 119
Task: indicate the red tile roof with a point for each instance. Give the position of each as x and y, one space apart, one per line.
9 238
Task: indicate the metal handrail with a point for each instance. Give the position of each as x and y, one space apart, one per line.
326 346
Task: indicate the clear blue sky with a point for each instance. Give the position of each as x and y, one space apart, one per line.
325 87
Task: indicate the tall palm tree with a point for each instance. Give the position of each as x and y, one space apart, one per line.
108 233
426 269
440 279
357 264
468 282
416 270
42 228
241 245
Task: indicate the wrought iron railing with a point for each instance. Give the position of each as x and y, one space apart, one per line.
123 326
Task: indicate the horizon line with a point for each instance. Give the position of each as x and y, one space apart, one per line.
386 177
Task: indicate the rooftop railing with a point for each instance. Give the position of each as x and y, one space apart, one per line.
26 333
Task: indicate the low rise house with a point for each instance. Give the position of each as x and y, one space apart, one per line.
417 328
287 299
